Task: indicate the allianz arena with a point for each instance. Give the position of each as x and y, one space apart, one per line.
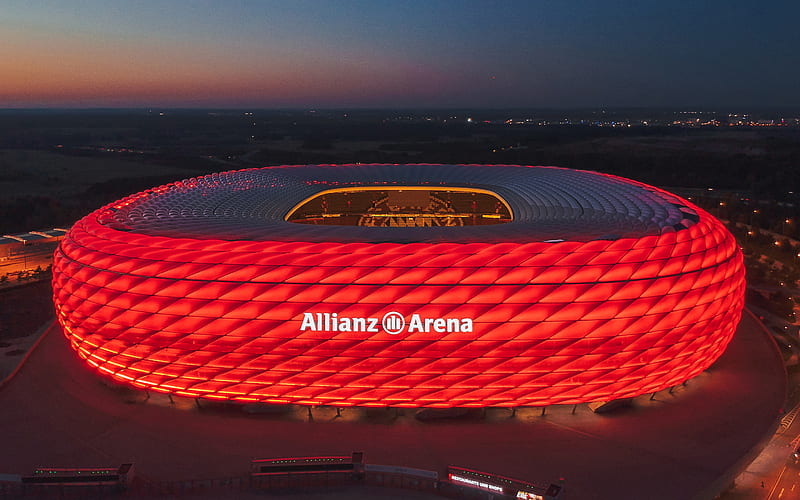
400 285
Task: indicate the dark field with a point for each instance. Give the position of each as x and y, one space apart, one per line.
23 309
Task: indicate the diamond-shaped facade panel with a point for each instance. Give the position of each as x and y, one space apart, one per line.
400 285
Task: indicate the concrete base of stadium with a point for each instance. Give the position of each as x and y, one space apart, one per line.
685 443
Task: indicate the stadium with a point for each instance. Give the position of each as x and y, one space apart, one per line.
401 286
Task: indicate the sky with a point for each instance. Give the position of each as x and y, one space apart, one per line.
399 54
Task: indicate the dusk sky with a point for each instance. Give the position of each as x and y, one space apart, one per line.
398 54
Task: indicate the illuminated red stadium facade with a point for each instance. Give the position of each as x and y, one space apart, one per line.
400 285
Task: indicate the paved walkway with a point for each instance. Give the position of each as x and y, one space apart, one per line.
26 311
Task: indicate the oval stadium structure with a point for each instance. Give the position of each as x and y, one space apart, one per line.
400 285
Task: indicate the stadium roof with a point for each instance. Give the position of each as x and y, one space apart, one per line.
548 204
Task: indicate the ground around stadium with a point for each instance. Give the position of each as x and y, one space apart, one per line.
685 444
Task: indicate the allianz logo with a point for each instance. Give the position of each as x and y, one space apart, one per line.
392 323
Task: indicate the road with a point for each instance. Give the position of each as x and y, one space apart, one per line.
787 484
774 474
787 487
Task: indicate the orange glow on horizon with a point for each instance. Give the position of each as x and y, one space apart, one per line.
51 69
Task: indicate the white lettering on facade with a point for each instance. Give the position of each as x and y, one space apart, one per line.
373 325
415 325
392 323
308 322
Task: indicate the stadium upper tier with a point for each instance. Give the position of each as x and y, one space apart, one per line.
545 204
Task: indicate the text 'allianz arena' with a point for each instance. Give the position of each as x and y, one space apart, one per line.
400 285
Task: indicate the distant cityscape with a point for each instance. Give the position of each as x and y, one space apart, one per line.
619 118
